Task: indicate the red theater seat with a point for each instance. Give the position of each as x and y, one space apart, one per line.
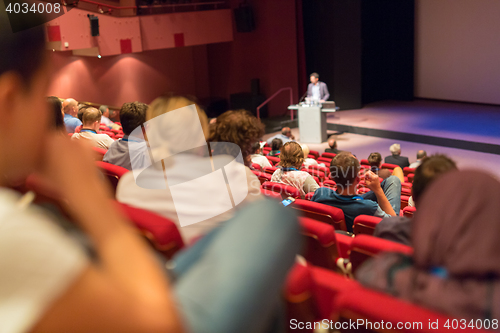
263 177
270 170
364 247
256 166
408 170
112 172
330 183
409 211
160 231
271 194
404 201
320 245
365 224
315 153
273 160
321 212
326 161
285 190
364 162
388 166
328 155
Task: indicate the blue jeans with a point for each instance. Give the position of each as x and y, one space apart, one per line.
231 280
392 191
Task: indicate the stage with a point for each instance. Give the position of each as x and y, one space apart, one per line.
469 133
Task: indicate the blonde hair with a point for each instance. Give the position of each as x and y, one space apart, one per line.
305 149
168 103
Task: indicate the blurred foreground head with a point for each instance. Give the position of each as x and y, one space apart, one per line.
24 78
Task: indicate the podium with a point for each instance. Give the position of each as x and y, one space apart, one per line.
312 122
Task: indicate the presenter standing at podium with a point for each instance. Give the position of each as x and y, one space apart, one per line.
317 91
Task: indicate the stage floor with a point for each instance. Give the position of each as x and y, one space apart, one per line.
469 134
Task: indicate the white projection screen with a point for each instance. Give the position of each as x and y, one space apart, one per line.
457 50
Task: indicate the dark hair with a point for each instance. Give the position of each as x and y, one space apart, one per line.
256 147
316 75
81 110
132 115
276 144
421 154
429 170
56 106
239 127
291 155
21 49
344 169
375 159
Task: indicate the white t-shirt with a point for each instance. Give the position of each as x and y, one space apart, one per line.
207 203
38 262
96 140
106 121
260 160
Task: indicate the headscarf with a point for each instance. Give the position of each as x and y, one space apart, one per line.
455 268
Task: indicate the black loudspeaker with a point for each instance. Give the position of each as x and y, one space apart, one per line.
243 16
255 86
94 25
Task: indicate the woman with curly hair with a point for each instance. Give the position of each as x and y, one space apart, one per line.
291 159
239 127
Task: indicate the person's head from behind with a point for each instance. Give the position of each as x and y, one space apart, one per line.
24 80
314 77
239 127
91 119
286 131
56 106
132 115
344 170
332 143
375 159
104 110
421 154
431 168
81 109
276 144
256 149
395 149
291 155
70 107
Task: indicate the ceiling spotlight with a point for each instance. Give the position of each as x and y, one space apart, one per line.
99 56
53 50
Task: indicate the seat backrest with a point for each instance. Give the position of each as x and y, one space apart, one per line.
365 224
273 160
256 166
364 247
388 166
364 162
316 173
99 153
321 212
325 160
411 176
408 170
409 211
370 308
328 155
161 232
271 194
284 190
112 172
404 201
263 176
320 245
270 170
309 196
315 153
318 168
330 184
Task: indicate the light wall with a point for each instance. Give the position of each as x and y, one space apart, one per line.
457 51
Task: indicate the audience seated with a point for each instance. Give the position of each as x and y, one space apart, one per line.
70 109
375 160
455 268
55 106
105 115
276 146
291 159
421 154
257 156
332 143
132 116
308 161
398 228
284 136
396 157
383 200
88 133
170 131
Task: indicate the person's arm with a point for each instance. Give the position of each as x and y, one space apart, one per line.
373 183
398 172
125 290
327 93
